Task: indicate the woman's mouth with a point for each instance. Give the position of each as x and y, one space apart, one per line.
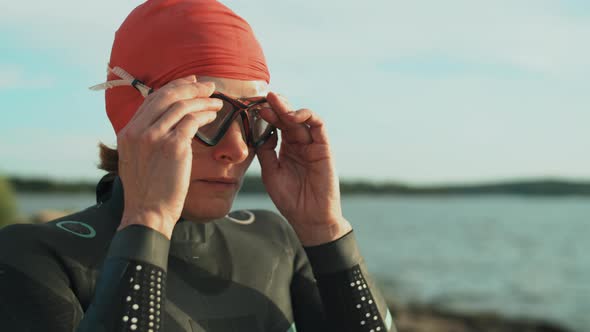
219 183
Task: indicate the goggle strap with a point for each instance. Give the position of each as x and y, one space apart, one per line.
126 80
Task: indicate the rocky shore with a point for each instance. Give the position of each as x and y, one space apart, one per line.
420 318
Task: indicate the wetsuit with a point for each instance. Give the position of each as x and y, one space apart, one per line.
78 273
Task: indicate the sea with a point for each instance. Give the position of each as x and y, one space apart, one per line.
521 257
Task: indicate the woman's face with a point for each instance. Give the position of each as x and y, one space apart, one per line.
217 171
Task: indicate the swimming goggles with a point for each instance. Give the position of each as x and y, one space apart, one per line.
255 130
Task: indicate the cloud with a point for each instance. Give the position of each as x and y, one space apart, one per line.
76 32
539 36
443 66
535 35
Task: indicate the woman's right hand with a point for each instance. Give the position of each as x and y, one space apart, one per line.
155 154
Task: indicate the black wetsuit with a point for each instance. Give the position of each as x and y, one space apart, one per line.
78 273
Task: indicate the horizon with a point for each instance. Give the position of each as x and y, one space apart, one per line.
370 181
456 92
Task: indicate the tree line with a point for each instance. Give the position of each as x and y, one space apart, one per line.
253 184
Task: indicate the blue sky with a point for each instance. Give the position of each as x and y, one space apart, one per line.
418 91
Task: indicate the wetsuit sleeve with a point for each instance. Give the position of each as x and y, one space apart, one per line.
36 295
130 290
332 291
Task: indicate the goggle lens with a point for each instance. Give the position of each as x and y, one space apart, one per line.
259 130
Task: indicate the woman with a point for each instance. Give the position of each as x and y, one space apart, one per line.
189 100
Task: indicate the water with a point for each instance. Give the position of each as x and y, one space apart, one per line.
515 256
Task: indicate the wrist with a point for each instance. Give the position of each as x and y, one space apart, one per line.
320 234
148 219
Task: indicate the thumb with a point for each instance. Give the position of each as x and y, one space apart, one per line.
267 156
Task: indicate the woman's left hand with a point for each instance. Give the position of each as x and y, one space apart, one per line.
302 180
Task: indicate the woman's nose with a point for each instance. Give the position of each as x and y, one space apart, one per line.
233 147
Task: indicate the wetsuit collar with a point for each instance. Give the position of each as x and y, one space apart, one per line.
109 192
187 231
117 202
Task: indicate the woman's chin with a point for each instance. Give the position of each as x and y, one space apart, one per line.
206 202
206 209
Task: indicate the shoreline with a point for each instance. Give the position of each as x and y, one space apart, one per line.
542 187
429 318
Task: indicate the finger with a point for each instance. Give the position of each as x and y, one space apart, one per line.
191 79
292 132
271 117
267 155
168 95
173 92
181 108
190 123
309 118
280 105
285 100
289 134
316 126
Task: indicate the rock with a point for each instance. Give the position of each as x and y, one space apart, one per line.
421 318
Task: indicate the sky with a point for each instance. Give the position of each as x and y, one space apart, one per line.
421 91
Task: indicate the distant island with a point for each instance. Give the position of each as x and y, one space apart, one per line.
253 184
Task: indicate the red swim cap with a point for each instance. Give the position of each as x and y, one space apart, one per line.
162 40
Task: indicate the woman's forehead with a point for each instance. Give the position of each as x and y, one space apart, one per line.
237 88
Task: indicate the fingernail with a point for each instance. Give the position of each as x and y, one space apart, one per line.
192 78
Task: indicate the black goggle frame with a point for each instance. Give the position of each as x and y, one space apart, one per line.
241 109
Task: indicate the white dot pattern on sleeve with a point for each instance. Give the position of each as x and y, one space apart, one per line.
364 305
146 286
